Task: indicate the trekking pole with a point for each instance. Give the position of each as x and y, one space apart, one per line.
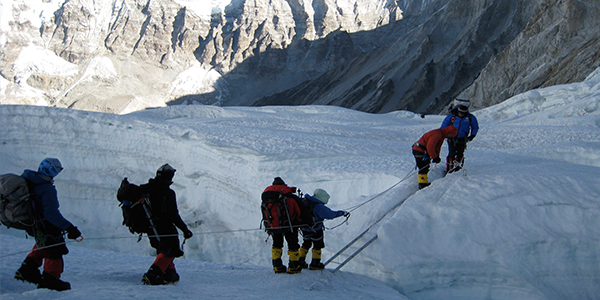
150 219
287 212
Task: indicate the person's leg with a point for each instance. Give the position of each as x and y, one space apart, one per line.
423 161
171 275
459 160
54 263
293 252
156 274
54 266
319 244
305 247
163 261
276 252
30 268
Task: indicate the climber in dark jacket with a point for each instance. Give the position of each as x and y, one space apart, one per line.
166 217
50 244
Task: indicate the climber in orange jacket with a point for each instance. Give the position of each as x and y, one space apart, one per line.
428 148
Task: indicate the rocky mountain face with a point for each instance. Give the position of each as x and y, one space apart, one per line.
560 44
371 55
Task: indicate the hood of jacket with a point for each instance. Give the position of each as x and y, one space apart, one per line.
449 130
36 177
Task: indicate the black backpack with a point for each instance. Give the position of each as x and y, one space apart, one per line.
137 212
307 214
16 202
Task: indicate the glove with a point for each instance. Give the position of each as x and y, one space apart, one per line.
437 160
187 234
73 233
471 137
345 213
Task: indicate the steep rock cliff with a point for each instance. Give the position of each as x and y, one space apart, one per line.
371 55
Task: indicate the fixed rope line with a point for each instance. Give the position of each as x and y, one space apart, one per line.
375 197
138 237
123 237
387 190
371 240
149 236
36 249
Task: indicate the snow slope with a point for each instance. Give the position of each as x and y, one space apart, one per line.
97 274
521 222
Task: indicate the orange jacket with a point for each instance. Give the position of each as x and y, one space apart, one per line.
433 140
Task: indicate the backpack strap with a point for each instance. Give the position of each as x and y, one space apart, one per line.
287 213
267 217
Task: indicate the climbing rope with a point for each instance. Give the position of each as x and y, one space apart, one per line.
353 208
125 237
387 190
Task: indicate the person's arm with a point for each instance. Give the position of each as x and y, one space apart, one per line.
434 144
474 127
325 212
173 213
50 205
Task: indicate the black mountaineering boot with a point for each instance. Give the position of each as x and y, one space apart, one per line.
316 264
171 276
154 276
302 263
294 266
278 266
50 282
29 271
302 258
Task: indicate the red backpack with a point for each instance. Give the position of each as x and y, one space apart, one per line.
276 213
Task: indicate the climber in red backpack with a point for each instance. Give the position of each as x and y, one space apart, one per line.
281 215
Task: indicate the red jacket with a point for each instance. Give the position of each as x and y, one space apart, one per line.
293 208
433 140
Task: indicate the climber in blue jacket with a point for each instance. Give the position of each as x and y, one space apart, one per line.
50 244
313 236
467 126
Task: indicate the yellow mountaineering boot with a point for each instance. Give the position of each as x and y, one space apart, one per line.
278 266
316 264
302 259
423 181
294 266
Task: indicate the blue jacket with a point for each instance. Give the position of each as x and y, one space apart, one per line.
466 124
321 213
46 200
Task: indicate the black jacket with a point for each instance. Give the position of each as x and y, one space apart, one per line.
166 216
